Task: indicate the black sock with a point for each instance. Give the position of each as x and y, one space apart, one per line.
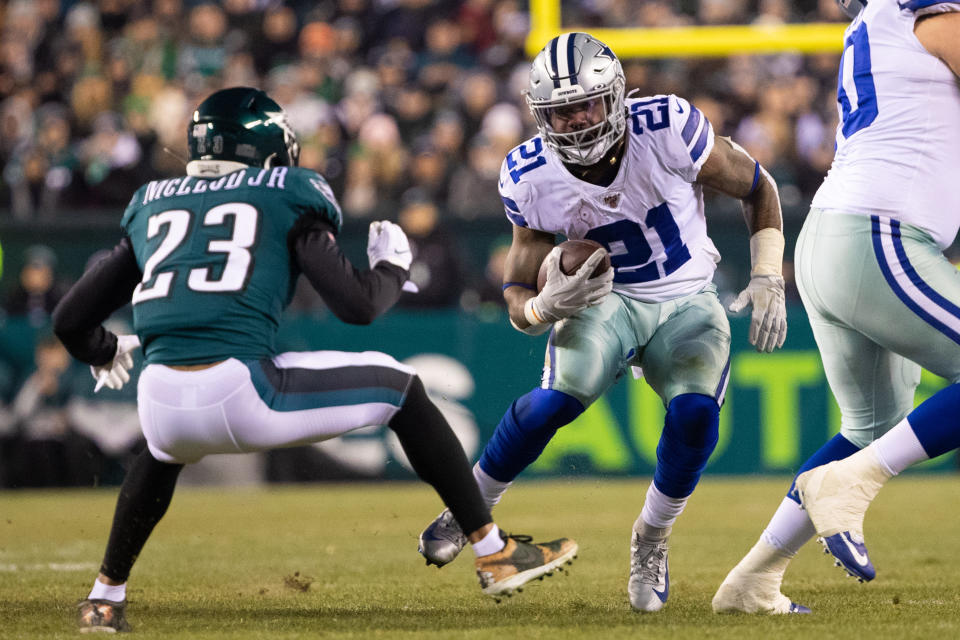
438 458
144 498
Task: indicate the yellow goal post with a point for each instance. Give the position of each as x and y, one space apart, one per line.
690 42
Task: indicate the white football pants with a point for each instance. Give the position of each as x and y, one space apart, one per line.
292 399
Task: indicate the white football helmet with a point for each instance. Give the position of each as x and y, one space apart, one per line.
576 69
852 7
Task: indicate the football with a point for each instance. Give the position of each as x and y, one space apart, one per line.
573 254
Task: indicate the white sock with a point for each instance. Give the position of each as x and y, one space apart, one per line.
491 490
112 593
491 543
899 449
789 528
660 510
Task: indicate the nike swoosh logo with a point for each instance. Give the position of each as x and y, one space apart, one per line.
666 588
861 558
679 108
401 251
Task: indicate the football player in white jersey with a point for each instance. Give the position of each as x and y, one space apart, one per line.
881 297
629 174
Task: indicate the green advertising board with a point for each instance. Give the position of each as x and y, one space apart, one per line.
778 407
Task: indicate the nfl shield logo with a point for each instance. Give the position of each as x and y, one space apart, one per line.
612 200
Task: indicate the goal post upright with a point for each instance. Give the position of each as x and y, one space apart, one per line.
692 41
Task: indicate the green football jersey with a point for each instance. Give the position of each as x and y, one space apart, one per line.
217 269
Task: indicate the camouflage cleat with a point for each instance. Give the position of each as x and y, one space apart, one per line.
102 616
520 561
442 540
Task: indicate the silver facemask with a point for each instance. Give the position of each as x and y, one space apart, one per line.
576 71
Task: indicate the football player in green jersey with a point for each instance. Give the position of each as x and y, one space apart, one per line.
209 260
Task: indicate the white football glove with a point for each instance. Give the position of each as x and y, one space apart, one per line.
768 324
387 242
563 295
115 374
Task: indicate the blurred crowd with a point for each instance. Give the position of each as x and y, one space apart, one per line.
407 107
395 101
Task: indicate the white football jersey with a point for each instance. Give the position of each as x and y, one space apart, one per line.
898 141
650 218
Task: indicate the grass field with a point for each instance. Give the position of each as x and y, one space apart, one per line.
340 561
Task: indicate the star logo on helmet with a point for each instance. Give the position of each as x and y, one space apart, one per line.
606 52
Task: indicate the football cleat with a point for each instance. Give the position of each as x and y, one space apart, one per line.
753 592
102 616
520 561
836 497
442 540
850 554
649 583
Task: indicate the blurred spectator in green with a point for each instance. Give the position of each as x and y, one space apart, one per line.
473 187
205 52
428 170
44 450
436 268
38 289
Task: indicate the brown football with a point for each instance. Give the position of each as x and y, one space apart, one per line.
573 254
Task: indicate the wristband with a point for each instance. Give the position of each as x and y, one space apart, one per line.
530 314
766 252
522 285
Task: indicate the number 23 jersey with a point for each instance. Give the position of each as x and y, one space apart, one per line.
898 140
650 218
217 268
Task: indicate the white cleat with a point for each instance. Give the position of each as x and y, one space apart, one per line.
836 497
649 583
753 592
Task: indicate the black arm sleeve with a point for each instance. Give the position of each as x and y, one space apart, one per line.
354 296
103 288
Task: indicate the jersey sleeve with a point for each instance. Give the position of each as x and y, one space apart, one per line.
689 141
508 196
132 207
104 287
315 198
919 8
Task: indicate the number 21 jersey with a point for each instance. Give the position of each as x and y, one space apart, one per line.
650 218
898 141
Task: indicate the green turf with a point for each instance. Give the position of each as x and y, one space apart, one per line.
234 564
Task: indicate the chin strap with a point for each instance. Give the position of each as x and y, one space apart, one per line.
213 168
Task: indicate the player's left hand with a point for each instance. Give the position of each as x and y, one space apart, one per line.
386 242
768 324
115 374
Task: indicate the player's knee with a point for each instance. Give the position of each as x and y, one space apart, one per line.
694 420
545 408
860 436
416 405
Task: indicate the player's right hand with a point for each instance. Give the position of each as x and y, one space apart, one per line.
563 295
386 242
768 322
114 374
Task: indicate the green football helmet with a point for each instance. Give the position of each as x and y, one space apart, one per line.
242 124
